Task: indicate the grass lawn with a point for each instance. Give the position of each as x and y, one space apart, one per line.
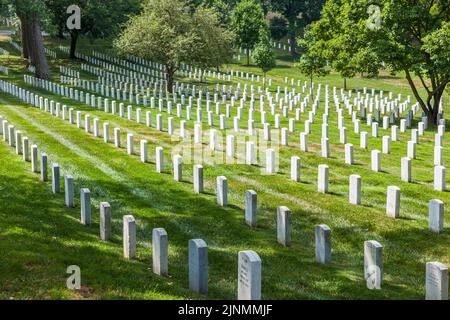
40 237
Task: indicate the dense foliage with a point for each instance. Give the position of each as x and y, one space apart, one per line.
246 21
172 32
409 36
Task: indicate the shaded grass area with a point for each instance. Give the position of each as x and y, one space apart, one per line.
41 237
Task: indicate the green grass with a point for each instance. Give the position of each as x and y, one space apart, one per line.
40 237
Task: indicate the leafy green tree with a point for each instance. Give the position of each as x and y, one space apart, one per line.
173 32
367 62
310 63
246 21
299 14
31 14
163 32
215 43
408 36
263 54
6 9
344 44
223 8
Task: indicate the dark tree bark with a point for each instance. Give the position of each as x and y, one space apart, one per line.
36 46
73 44
60 34
292 32
24 32
170 72
434 95
293 45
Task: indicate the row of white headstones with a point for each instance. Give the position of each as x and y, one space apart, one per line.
146 67
439 170
323 233
142 90
249 273
346 103
89 69
376 154
393 206
143 68
131 74
386 140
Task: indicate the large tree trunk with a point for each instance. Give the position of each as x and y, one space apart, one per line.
431 106
345 84
36 47
293 45
292 34
170 72
25 53
73 44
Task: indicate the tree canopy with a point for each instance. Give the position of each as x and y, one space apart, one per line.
31 13
412 37
172 32
215 42
263 54
247 19
310 64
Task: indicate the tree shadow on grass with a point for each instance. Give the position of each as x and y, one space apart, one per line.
158 201
107 273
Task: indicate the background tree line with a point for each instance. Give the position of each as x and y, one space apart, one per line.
232 22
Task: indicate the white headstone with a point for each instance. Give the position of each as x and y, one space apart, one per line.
284 226
393 202
129 237
160 252
323 244
198 266
436 281
105 221
68 186
406 170
85 198
355 189
295 168
249 276
373 264
439 178
222 191
323 171
198 178
250 208
436 216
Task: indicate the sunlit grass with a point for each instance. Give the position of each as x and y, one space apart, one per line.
40 237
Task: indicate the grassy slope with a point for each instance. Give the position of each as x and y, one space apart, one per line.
41 237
